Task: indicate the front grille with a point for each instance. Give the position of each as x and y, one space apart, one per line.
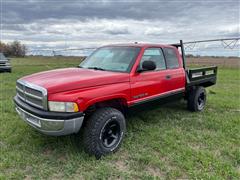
32 94
3 63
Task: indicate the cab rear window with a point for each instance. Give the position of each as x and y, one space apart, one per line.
171 58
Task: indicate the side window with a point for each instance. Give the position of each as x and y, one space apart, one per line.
156 55
171 58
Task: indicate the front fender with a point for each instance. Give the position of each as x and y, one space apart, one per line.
89 96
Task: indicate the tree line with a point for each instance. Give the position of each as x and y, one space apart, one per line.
14 49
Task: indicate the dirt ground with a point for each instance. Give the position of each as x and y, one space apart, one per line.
219 61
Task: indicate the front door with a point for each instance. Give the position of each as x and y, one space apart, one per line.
150 84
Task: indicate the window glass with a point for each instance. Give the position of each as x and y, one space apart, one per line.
119 59
171 58
2 57
155 55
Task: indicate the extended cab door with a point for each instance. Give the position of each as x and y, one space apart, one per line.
165 79
175 71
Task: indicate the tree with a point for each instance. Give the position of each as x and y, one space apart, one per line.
18 49
15 49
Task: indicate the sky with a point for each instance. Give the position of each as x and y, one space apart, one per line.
60 24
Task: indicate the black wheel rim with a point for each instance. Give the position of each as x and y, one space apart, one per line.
201 100
110 133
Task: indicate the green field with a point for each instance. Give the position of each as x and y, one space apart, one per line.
165 142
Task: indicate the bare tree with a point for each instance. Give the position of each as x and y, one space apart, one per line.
15 49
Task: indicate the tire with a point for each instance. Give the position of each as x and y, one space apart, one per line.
197 99
104 132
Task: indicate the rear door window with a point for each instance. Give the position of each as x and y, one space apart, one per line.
171 58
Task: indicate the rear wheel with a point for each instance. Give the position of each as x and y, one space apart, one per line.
104 132
197 99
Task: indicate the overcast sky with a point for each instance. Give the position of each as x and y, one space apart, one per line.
57 24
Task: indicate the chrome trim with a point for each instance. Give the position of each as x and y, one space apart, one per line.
20 97
157 96
36 105
33 96
34 87
19 89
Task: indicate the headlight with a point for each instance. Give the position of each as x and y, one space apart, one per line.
63 106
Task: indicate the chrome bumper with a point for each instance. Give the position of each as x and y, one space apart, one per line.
52 127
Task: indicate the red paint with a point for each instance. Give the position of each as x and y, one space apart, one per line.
86 87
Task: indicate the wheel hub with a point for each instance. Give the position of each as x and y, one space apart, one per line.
201 100
110 134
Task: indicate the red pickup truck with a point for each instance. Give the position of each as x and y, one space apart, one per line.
98 93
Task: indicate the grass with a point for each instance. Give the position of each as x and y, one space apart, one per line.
167 142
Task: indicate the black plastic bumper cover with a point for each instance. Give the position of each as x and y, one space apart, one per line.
5 68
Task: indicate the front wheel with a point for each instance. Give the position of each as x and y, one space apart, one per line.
104 132
197 99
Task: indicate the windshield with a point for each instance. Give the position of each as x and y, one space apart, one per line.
120 59
2 57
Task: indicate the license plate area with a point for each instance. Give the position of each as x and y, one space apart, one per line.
30 119
33 120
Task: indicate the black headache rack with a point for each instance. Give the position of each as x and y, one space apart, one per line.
206 76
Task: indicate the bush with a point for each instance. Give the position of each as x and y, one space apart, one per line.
14 49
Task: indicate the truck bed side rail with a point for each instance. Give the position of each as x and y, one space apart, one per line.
202 76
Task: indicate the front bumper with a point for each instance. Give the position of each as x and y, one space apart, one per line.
50 123
5 68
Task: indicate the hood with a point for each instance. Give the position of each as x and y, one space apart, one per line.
74 78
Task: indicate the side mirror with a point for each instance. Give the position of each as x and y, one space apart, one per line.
147 66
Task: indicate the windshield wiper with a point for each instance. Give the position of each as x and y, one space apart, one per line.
97 68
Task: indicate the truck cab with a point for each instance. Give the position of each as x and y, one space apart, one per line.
98 93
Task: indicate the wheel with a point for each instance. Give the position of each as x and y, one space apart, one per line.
104 132
197 99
